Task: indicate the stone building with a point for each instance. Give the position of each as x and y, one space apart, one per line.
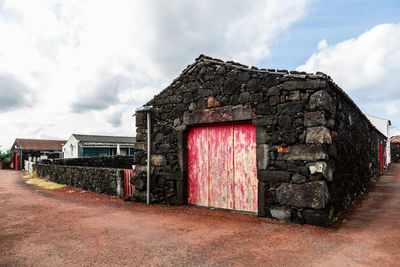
384 126
395 148
34 150
287 145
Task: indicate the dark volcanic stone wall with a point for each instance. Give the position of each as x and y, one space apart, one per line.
316 151
99 180
395 152
355 160
120 162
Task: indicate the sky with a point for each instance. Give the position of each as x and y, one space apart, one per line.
84 66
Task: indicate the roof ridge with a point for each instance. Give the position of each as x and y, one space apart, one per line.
204 58
37 139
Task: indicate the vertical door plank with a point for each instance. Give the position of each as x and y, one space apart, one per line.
221 166
197 141
245 173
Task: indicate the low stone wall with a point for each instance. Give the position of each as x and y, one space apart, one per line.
6 165
99 180
119 162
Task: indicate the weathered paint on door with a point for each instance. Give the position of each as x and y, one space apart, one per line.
220 159
198 166
245 172
16 161
222 168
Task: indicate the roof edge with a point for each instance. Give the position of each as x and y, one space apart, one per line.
207 59
36 139
103 135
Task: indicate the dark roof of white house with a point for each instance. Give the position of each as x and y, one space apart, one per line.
105 139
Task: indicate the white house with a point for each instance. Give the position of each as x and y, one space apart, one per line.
383 126
80 146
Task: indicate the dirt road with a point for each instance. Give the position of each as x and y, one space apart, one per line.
67 226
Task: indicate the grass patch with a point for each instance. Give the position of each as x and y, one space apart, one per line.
31 175
33 178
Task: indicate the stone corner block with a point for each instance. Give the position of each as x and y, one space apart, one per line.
322 168
318 135
315 118
140 146
281 213
322 100
313 195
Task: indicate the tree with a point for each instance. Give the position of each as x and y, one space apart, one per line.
4 155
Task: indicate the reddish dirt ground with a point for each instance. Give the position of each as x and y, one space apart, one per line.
41 227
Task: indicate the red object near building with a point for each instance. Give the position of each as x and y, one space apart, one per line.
16 161
128 187
222 169
381 158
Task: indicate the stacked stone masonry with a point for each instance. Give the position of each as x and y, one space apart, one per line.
316 151
97 174
99 180
395 149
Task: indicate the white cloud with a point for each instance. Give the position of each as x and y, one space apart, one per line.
89 63
322 44
372 60
367 67
233 29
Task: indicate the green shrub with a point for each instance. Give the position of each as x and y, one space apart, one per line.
4 155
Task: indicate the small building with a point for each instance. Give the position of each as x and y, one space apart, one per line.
81 146
383 125
395 149
34 150
287 145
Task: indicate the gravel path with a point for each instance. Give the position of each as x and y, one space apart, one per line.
69 226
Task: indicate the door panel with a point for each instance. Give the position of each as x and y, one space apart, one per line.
220 140
198 166
245 172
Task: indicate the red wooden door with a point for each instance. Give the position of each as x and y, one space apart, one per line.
381 159
16 161
222 168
